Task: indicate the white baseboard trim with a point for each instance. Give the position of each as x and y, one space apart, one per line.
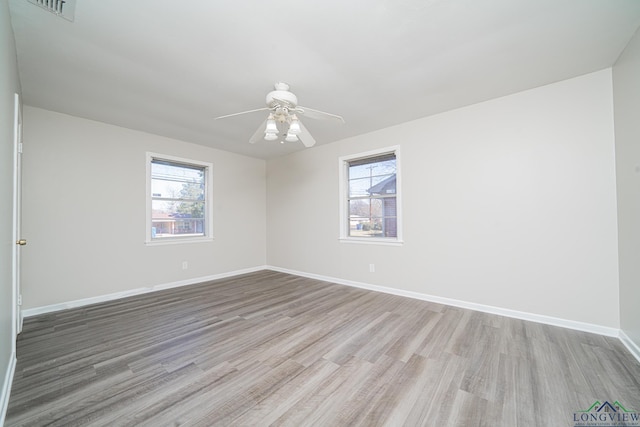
631 346
109 297
538 318
6 387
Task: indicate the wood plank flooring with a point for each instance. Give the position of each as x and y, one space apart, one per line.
271 349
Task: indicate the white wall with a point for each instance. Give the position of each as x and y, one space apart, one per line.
84 211
9 85
509 203
626 91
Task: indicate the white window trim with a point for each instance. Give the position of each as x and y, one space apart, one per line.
208 225
343 167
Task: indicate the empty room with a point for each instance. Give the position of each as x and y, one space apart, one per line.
361 213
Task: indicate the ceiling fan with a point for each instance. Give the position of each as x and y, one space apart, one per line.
283 118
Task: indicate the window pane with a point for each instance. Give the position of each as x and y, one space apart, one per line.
176 181
177 218
359 208
373 168
365 208
390 227
373 176
373 217
373 227
176 171
161 188
381 184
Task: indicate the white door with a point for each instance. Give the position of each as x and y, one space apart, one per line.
17 204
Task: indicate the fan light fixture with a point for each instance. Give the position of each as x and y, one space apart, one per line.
282 115
282 105
271 130
271 125
291 137
294 127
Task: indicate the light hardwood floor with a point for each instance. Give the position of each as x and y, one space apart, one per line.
269 348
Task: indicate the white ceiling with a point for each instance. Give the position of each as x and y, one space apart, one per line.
171 67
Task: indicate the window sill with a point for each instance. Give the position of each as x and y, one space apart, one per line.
177 240
371 241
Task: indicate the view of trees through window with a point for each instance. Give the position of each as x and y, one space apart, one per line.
372 196
177 199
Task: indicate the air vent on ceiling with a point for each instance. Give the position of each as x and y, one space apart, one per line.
63 8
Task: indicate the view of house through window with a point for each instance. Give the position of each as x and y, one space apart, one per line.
178 199
372 198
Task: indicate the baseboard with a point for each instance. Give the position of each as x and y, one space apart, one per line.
6 387
631 346
110 297
538 318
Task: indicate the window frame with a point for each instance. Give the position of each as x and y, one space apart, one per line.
208 194
343 167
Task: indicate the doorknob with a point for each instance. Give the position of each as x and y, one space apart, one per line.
21 242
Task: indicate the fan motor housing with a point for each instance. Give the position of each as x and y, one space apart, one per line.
280 97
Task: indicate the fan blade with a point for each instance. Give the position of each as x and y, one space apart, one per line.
317 114
305 136
244 112
259 134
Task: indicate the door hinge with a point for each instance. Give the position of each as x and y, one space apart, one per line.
20 299
20 147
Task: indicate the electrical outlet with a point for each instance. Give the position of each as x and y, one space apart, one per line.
372 268
185 265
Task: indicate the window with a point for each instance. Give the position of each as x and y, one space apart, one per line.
178 199
370 197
